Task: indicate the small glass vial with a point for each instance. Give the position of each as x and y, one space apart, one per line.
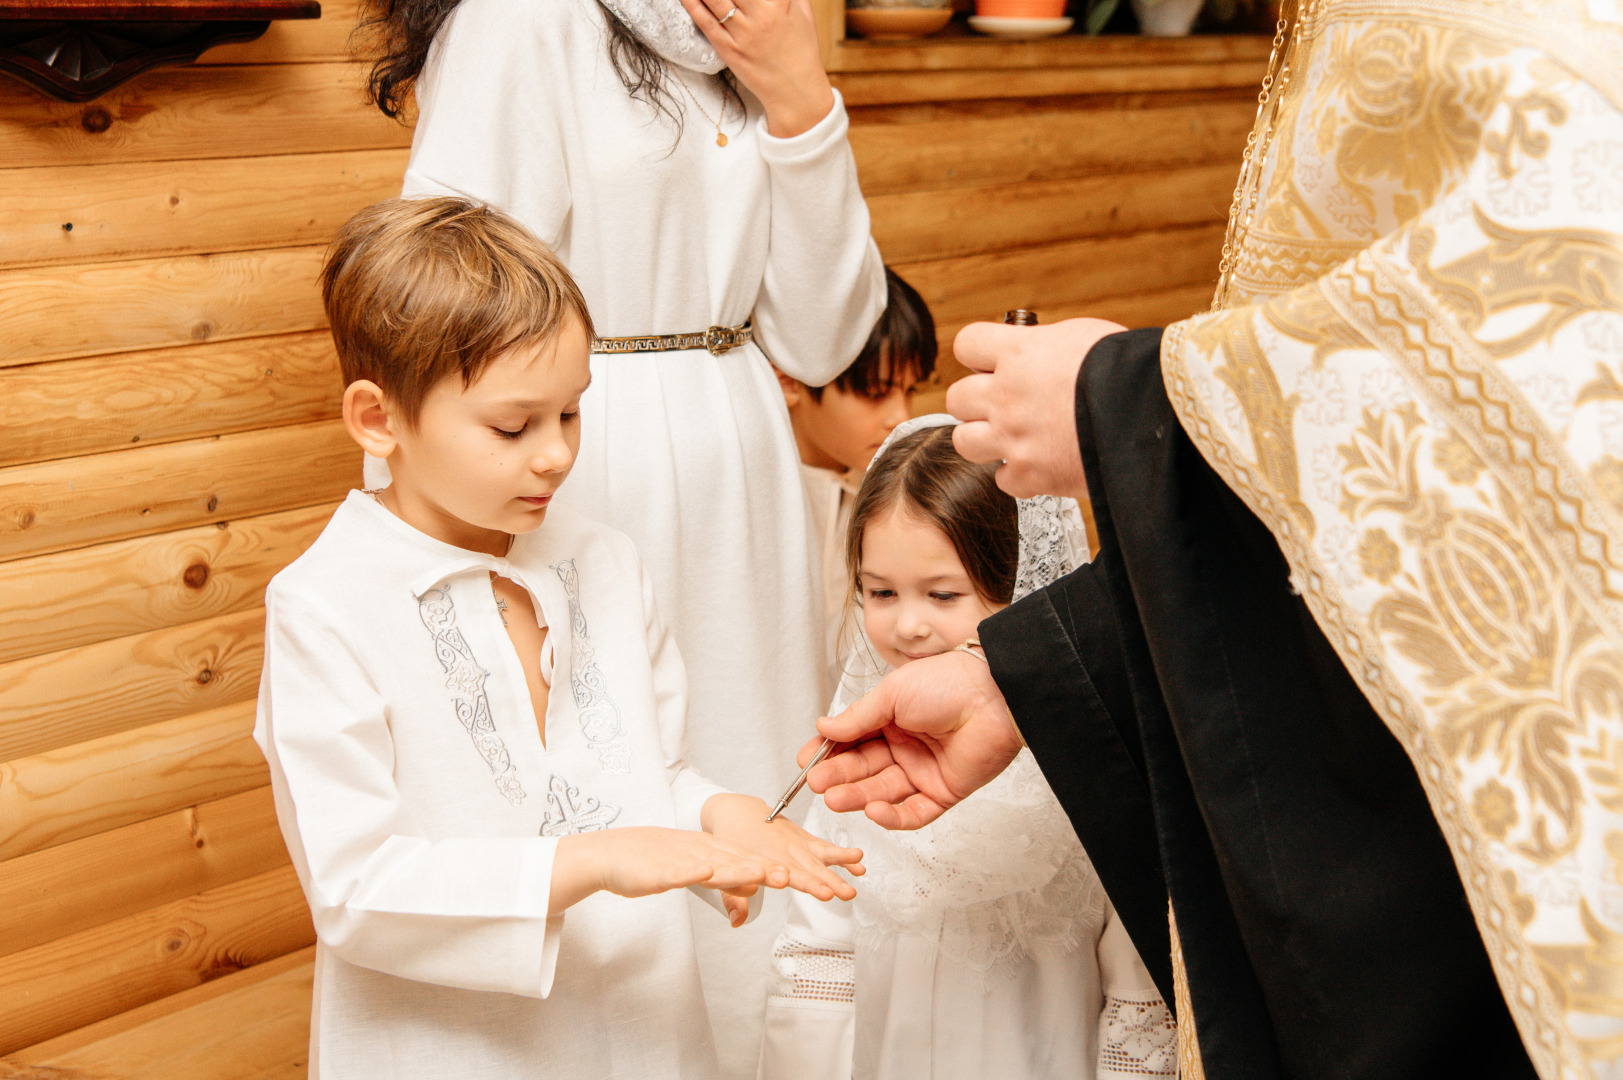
1020 317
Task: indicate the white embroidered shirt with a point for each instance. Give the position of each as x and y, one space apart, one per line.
422 810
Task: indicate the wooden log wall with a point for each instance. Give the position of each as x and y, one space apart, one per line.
168 441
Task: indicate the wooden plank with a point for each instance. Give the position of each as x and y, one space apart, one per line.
179 113
139 210
898 87
908 148
75 502
70 407
252 1024
919 225
1055 276
65 984
958 48
67 697
60 312
300 41
59 601
73 887
99 784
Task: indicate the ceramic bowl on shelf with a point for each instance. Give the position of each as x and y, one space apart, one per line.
1006 26
896 23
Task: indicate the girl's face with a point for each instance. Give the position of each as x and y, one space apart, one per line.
917 599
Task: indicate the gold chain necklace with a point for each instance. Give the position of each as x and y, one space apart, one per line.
721 140
1293 14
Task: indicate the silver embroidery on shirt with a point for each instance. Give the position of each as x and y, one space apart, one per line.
465 679
599 719
567 812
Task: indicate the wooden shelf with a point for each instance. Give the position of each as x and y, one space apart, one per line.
76 50
957 48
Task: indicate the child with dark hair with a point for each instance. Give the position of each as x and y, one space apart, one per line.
839 426
982 945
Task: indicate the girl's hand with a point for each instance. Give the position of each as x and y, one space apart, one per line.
643 860
771 45
742 820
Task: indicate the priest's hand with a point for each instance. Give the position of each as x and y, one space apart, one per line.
1020 407
771 45
929 734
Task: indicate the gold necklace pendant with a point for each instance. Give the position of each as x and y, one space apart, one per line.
721 140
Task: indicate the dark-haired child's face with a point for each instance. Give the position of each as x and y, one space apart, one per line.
917 598
844 430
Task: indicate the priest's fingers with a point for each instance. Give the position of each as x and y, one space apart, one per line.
980 345
913 812
978 441
891 786
970 398
850 765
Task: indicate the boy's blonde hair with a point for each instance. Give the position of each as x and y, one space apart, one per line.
419 289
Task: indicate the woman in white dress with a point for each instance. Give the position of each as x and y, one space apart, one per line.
981 945
682 197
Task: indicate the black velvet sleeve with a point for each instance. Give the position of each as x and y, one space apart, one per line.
1058 659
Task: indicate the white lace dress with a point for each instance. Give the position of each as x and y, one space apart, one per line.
689 454
980 946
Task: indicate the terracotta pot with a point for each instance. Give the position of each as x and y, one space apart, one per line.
1021 9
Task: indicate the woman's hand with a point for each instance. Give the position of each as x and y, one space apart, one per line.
742 820
643 860
771 45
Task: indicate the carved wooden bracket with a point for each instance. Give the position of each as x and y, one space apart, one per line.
75 50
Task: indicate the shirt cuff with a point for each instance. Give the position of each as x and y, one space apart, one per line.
810 144
535 880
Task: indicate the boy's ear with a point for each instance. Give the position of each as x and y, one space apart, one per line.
368 417
794 391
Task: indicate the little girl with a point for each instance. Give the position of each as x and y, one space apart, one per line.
983 944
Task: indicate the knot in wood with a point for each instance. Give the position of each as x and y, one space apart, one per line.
176 942
202 330
95 120
214 503
196 575
205 676
25 520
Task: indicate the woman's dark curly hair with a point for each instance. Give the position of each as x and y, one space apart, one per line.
401 31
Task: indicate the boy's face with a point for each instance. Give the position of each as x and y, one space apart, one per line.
845 429
483 461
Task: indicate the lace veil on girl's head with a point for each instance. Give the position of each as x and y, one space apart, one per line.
1001 873
1053 542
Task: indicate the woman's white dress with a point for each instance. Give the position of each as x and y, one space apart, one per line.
689 454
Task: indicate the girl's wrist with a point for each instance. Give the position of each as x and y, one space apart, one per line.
799 112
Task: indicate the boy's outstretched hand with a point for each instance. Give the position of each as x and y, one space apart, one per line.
741 819
643 860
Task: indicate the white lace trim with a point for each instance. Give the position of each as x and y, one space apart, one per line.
811 972
1137 1038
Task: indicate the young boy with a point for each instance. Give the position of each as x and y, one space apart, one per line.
839 427
443 806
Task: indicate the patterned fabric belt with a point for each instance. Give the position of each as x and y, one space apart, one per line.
717 340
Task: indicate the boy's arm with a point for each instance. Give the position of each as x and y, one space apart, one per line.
470 912
479 913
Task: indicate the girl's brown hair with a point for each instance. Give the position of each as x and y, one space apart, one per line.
925 477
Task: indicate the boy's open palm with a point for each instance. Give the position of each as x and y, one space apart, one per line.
742 820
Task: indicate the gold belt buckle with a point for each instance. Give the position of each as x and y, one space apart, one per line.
720 339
